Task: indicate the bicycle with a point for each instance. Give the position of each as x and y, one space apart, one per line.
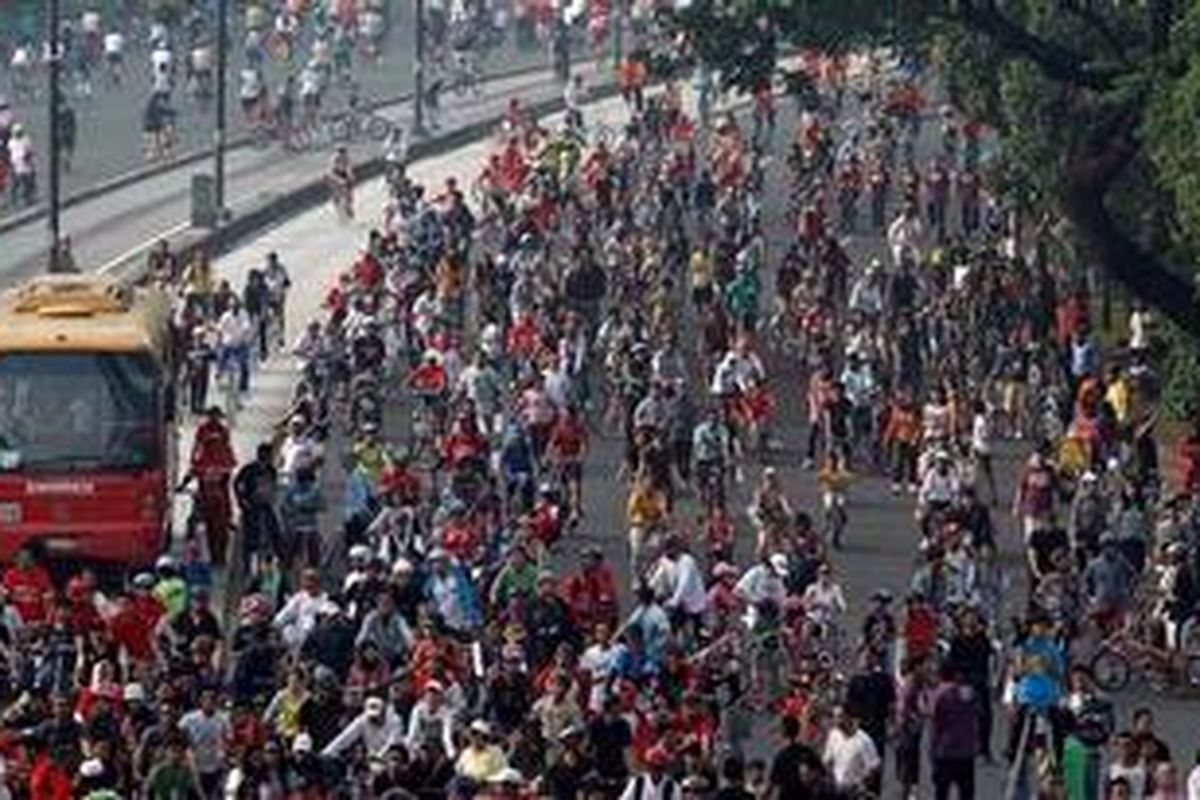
353 125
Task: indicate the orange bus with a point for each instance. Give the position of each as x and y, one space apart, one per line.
86 406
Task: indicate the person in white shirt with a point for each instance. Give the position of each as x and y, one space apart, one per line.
161 67
432 718
600 661
939 486
1193 781
762 583
823 599
298 617
378 727
850 755
236 333
981 448
904 236
654 783
678 581
1139 328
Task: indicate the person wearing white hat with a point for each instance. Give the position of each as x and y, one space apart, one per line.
761 584
481 760
377 728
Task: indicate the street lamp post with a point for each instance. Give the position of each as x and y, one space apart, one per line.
52 37
219 135
419 69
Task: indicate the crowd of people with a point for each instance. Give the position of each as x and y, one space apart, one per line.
456 623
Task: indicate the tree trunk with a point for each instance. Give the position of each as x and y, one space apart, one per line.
1145 275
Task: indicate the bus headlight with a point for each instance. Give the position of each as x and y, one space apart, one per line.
10 513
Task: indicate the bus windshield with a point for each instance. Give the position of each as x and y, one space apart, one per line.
78 411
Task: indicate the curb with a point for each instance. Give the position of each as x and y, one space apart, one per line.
311 194
138 174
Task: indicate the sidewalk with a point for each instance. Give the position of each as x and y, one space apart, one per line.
117 228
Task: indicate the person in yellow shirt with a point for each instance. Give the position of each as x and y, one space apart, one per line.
701 268
1118 395
481 759
647 511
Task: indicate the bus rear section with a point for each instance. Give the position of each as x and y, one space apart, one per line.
85 402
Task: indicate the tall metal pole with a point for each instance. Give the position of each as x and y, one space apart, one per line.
419 68
219 137
54 24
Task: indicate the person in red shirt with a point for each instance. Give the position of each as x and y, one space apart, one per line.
920 627
592 593
428 379
29 588
50 778
545 520
399 480
368 272
133 624
212 465
463 445
82 615
568 444
523 336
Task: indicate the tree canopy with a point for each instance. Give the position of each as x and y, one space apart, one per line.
1097 101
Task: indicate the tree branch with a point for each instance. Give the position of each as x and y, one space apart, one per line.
1090 174
1057 62
1083 11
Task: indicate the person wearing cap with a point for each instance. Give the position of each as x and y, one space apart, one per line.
655 783
377 729
762 585
481 760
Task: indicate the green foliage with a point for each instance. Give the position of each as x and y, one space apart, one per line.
1181 375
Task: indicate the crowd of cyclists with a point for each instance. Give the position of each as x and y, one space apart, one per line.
457 623
297 67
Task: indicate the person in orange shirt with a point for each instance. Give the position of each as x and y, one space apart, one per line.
901 435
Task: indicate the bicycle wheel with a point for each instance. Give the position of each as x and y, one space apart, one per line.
341 128
1111 670
378 128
